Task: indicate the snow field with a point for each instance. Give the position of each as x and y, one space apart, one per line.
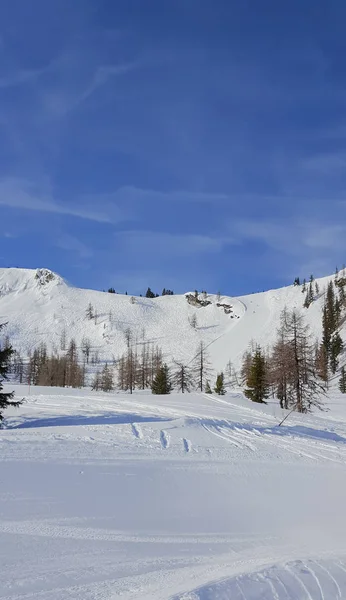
187 496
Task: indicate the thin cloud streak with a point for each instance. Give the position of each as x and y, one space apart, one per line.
19 194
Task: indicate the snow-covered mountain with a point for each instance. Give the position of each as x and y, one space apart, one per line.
39 306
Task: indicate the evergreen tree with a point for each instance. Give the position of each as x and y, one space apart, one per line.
90 311
149 293
161 383
296 281
5 398
208 389
106 379
220 385
257 382
342 381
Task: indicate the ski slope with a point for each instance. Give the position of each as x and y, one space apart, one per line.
39 306
184 497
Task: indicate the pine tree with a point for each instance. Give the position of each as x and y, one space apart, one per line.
208 389
220 385
5 398
342 381
90 311
161 383
106 379
257 382
149 293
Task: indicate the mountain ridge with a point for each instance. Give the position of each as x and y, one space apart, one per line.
40 306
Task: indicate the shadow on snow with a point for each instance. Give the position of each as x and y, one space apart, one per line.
77 420
283 431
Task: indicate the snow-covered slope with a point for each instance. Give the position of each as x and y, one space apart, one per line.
179 497
39 306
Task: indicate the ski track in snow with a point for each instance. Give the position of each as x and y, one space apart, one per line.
164 439
303 580
187 445
137 431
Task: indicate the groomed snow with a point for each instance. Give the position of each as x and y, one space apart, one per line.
181 496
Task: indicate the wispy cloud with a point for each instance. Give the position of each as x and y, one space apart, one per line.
161 245
16 193
140 195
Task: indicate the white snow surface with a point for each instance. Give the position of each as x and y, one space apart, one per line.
183 497
180 497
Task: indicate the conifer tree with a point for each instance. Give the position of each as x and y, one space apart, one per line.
208 389
6 398
220 384
342 381
161 383
106 379
257 382
90 311
149 293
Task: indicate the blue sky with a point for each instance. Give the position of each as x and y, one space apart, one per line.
173 143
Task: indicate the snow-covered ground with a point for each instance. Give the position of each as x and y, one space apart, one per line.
183 496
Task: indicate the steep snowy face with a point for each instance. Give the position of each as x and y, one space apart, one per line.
22 280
